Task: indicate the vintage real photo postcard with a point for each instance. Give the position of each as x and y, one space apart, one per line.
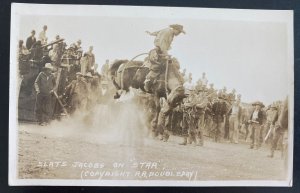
150 96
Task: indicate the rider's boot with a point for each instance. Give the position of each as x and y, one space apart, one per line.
148 84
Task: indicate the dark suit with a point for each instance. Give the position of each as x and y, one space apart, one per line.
256 128
219 109
29 42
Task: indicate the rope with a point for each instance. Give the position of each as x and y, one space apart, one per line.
166 78
125 67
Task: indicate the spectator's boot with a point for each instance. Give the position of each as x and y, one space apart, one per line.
272 154
184 141
166 136
200 142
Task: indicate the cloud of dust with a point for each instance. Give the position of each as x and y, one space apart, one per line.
121 122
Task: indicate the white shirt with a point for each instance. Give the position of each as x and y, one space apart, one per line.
189 86
255 115
235 110
42 37
204 81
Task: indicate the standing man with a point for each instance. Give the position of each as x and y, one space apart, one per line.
281 130
231 96
189 86
42 36
184 76
78 51
272 117
219 110
105 69
90 59
44 85
255 122
204 80
201 104
234 121
189 122
76 94
30 40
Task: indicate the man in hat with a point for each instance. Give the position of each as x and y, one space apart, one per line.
189 123
37 54
189 86
78 44
165 37
272 117
204 80
239 97
281 131
256 121
200 110
30 40
44 85
219 110
235 113
210 89
42 36
75 93
105 69
78 51
90 59
231 96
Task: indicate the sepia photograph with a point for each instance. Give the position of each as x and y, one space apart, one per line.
150 96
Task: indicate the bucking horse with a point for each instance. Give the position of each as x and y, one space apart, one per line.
168 85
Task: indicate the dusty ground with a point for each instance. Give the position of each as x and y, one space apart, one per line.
47 153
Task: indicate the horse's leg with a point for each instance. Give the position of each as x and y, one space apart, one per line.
164 121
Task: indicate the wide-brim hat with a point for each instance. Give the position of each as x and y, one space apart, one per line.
258 103
89 75
177 27
48 66
72 46
104 82
273 106
79 73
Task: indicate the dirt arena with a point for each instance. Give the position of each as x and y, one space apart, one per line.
53 152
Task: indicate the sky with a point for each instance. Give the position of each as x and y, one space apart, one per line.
249 56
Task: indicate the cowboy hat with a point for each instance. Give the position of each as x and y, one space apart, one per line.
273 106
258 103
104 82
88 75
220 96
177 27
48 66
